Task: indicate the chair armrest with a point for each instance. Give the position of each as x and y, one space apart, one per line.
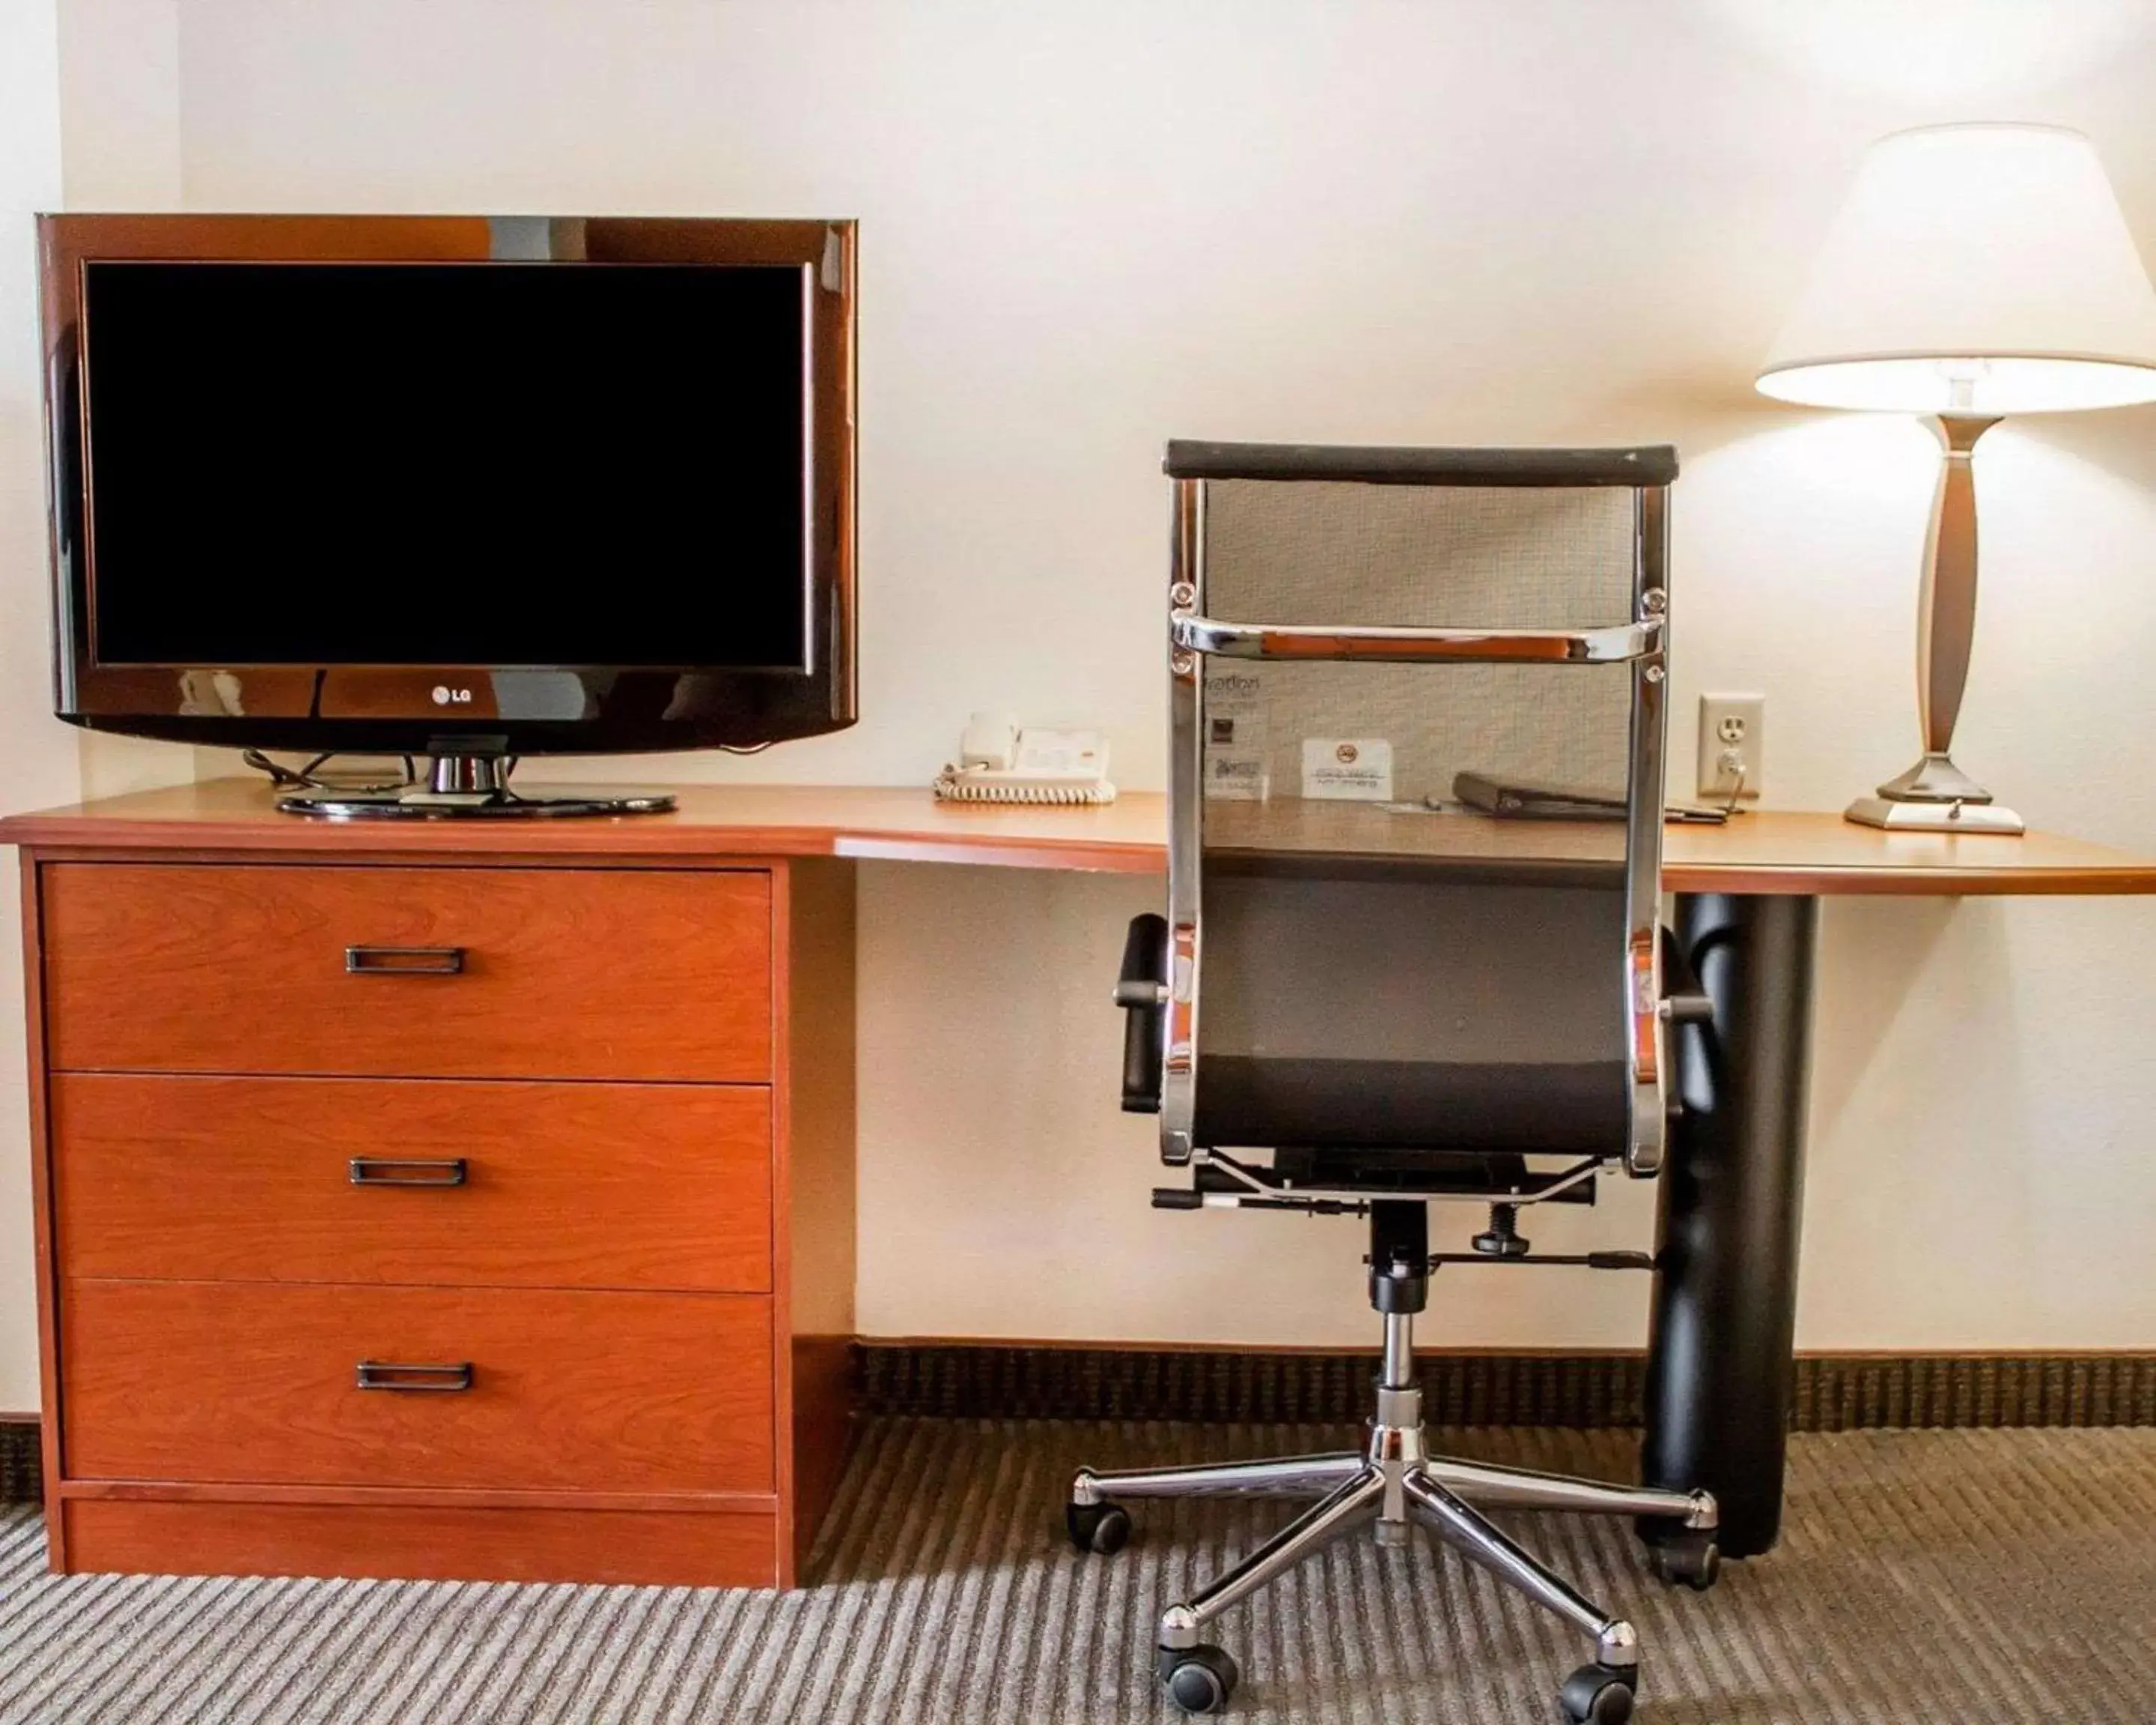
1142 992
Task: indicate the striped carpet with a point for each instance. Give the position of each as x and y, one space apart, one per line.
1947 1577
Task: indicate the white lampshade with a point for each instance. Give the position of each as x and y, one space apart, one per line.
1977 269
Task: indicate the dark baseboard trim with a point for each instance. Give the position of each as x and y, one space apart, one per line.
21 1465
980 1380
1834 1392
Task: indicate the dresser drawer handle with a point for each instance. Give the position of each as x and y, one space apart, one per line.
404 961
391 1171
414 1379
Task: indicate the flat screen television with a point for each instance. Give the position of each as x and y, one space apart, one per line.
467 488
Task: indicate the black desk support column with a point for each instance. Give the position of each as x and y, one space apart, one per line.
1720 1365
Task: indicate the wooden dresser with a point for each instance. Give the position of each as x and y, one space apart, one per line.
439 1200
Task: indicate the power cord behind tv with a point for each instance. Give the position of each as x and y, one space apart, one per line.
310 777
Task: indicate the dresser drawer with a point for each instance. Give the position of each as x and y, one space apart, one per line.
412 1180
567 1391
475 972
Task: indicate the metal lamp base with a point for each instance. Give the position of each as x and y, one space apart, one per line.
1934 796
1934 817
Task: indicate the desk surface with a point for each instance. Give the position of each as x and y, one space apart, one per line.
1758 853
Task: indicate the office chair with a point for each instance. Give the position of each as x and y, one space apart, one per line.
1412 951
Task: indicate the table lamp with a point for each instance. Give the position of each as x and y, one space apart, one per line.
1974 271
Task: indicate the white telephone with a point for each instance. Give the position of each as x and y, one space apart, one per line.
999 763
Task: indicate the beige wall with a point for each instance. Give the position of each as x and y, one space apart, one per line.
1088 228
89 108
119 149
36 755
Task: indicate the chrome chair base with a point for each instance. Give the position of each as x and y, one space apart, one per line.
1390 1485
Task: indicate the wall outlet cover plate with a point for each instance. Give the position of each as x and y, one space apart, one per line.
1732 746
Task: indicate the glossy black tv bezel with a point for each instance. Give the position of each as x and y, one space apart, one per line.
420 709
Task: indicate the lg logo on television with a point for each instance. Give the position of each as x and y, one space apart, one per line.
445 695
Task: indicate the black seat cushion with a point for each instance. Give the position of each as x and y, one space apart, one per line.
1580 1108
1494 1174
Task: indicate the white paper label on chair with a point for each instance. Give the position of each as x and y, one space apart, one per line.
1355 769
1236 776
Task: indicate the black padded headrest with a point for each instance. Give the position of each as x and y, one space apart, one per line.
1648 465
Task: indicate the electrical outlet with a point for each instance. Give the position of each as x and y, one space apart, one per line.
1732 746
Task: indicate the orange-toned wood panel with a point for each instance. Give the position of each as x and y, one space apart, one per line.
653 1548
723 823
564 974
69 238
818 1208
579 1185
235 1381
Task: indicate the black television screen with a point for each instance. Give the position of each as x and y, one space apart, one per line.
421 463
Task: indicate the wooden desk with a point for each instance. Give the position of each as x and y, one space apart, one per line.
1755 853
1719 1366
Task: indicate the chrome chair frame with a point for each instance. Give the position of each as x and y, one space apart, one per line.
1394 1482
1641 642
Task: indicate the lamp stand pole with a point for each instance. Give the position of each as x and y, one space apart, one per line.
1936 796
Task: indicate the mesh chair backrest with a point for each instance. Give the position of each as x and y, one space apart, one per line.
1441 556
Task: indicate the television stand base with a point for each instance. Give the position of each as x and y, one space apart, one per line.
407 805
473 786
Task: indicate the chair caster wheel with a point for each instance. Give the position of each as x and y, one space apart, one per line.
1693 1561
1102 1527
1198 1680
1598 1694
